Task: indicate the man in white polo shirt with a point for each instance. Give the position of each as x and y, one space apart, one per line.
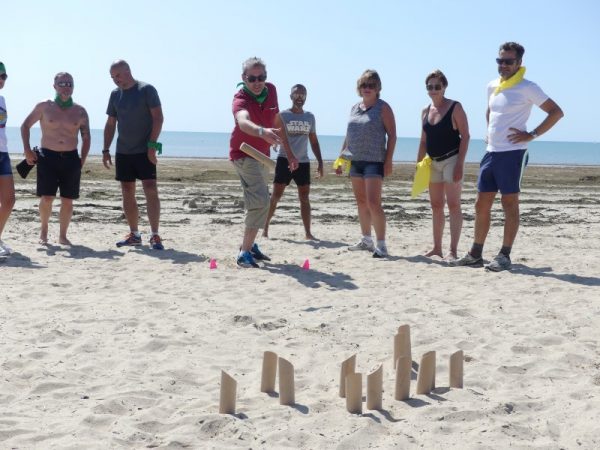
510 99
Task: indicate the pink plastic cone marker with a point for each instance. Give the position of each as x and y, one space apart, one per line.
306 265
213 263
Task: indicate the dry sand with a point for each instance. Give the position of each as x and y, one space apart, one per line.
122 348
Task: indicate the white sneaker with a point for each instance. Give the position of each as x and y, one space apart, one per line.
362 245
500 262
380 252
5 249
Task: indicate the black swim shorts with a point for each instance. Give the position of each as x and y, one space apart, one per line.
134 167
58 170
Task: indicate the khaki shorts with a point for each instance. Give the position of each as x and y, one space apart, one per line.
443 171
254 178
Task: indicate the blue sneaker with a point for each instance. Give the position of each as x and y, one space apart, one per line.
156 243
130 239
257 254
246 260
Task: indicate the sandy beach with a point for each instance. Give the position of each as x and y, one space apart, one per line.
123 348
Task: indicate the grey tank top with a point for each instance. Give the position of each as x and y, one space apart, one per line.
366 136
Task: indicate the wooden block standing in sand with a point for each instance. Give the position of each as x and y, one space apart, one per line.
375 388
348 367
269 372
257 155
354 393
228 394
403 372
402 343
286 383
456 369
426 377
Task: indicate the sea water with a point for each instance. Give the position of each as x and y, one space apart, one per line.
184 144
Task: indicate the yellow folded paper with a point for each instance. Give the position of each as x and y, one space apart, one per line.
422 176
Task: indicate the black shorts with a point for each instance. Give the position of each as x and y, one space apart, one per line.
132 167
58 170
283 175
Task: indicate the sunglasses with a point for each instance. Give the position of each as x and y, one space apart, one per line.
254 79
368 86
3 76
65 84
431 87
300 96
506 61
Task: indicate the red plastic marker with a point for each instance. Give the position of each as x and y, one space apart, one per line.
306 265
213 263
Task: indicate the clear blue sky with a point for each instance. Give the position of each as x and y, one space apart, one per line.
192 51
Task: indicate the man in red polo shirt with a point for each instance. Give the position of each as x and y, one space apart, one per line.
254 109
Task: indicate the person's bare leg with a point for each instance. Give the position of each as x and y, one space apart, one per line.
152 203
130 207
249 238
510 204
437 201
278 189
7 200
45 213
65 215
453 193
483 209
373 187
364 215
305 211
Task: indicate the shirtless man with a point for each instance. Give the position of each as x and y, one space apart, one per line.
58 162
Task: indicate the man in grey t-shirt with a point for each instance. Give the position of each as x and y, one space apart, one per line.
298 128
134 107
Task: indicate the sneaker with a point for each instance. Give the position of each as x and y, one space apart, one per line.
466 260
362 245
246 260
380 252
501 262
257 254
156 242
5 249
130 239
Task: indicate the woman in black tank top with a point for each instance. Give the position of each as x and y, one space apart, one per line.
445 138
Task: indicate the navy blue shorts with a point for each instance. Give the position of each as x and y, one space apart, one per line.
58 170
5 168
366 169
502 171
283 175
132 167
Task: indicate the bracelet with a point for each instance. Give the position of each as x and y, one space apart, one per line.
106 150
261 131
156 146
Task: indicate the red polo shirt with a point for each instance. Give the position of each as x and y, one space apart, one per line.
261 114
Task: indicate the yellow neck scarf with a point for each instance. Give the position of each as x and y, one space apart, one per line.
511 82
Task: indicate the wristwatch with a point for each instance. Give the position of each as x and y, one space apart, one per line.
534 133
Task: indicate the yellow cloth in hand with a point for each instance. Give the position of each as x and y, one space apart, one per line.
422 176
512 81
344 163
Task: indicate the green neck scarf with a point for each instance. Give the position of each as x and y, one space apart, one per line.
260 98
64 104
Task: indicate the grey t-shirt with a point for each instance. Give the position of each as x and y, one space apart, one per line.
298 127
132 107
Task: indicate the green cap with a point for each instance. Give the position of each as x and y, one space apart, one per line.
2 68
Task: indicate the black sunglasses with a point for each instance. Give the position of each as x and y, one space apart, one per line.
3 76
431 87
254 79
368 86
506 61
65 84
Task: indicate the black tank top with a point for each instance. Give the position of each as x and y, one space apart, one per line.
440 138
